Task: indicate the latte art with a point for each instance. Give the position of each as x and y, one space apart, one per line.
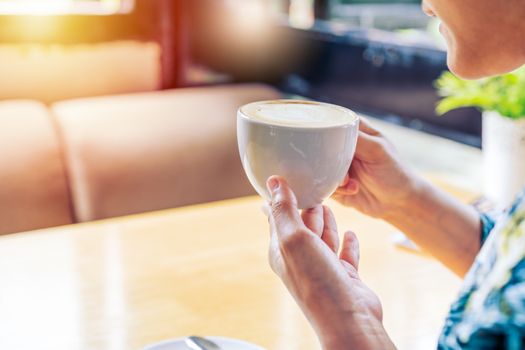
298 114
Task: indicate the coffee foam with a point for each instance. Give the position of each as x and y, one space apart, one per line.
299 114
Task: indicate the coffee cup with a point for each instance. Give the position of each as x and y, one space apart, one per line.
310 144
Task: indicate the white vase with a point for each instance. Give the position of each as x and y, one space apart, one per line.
503 158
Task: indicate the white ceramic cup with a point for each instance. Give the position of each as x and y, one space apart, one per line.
313 154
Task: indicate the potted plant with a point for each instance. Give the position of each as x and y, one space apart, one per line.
502 101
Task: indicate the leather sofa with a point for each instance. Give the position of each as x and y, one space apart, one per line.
95 158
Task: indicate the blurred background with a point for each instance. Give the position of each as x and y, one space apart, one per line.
113 107
373 55
377 56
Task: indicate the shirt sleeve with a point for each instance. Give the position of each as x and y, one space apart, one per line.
508 337
487 224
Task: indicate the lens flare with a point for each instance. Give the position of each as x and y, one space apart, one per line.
302 14
250 16
64 7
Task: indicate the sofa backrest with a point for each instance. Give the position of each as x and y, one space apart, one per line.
52 72
141 152
102 157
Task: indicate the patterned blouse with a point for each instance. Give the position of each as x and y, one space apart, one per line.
490 310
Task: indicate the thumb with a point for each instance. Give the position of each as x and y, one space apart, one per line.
284 215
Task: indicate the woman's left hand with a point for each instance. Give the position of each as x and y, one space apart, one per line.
344 312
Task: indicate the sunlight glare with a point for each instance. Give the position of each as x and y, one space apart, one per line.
251 15
302 14
62 7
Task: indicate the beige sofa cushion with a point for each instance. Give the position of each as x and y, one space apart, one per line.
33 188
133 153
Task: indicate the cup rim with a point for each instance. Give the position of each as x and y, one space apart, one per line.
355 117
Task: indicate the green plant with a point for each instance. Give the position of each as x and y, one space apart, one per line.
504 94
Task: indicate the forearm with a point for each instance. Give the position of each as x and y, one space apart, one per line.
441 225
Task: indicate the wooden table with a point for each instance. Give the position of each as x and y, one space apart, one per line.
128 282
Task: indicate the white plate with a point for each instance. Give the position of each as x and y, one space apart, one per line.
224 343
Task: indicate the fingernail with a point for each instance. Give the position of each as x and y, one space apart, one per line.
273 184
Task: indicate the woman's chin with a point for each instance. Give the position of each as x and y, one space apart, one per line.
476 66
473 68
464 71
461 68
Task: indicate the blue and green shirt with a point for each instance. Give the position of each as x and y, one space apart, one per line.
490 310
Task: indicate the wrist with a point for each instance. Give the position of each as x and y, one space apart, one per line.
338 322
417 189
357 331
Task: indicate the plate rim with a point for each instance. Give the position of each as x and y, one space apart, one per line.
213 338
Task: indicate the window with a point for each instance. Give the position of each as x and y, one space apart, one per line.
380 14
377 1
403 18
64 7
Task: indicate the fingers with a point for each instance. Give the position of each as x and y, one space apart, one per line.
371 143
345 181
352 184
350 249
285 221
330 235
365 127
369 148
350 189
284 216
348 186
313 219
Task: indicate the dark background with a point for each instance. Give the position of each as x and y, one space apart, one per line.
383 77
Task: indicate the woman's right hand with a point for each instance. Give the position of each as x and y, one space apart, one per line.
378 184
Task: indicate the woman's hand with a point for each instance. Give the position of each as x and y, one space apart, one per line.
345 313
378 184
